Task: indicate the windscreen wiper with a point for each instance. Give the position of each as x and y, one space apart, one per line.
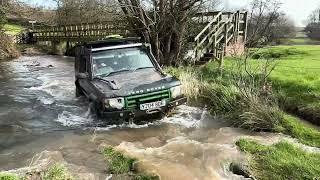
142 68
115 72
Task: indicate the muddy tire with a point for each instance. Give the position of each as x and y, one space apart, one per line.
95 109
79 92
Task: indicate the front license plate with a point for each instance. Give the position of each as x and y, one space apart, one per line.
153 105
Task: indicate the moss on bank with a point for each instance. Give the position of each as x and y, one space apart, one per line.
119 164
280 161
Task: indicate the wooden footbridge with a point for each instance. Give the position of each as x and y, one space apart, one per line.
218 31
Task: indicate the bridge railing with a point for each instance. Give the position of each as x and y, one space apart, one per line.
80 32
221 28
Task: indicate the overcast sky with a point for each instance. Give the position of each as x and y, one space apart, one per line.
298 10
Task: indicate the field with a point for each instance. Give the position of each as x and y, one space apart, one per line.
297 79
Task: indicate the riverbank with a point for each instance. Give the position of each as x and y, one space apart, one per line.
257 93
8 49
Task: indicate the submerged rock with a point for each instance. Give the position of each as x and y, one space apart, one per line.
240 169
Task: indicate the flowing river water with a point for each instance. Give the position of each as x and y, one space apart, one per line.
39 111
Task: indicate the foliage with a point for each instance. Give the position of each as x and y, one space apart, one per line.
57 172
280 161
7 176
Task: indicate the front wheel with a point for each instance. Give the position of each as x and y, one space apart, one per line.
79 91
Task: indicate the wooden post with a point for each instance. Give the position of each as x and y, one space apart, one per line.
245 31
221 60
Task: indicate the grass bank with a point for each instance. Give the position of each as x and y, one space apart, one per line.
123 166
280 161
56 172
254 100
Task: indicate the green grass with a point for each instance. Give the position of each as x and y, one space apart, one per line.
118 163
297 79
7 176
297 129
281 161
57 172
12 29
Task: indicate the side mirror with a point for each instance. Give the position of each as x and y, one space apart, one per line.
82 76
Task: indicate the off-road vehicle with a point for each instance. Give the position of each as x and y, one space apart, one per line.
123 80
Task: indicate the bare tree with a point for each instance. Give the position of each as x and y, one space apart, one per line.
313 27
85 11
161 23
267 24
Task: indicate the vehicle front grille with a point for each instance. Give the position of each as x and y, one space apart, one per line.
133 102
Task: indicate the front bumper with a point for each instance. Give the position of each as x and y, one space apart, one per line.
128 114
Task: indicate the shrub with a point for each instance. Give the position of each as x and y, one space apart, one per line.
7 47
235 97
272 53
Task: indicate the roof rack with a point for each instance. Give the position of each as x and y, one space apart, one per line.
112 41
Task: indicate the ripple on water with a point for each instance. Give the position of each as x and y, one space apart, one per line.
59 89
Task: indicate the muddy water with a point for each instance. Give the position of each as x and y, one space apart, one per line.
39 111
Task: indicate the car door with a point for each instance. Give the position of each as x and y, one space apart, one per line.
86 83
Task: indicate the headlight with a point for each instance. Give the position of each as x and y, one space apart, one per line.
176 91
117 103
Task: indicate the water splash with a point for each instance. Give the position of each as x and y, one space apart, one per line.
69 119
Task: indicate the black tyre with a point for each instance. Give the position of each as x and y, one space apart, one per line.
79 92
95 109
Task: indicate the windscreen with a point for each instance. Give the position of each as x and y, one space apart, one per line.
108 62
